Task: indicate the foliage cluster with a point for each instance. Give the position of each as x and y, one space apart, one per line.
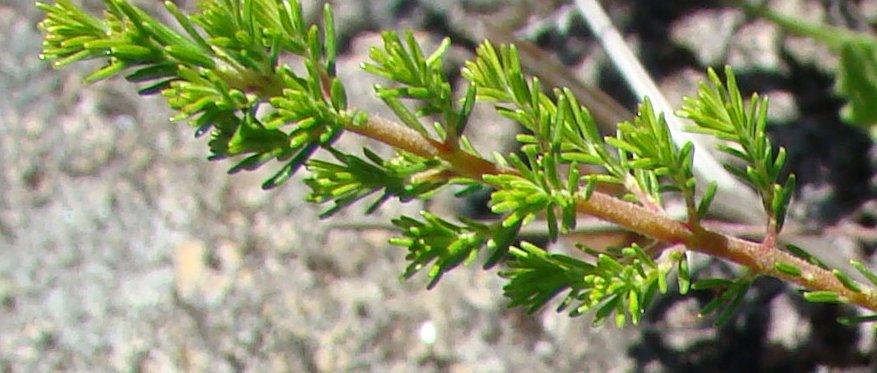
262 83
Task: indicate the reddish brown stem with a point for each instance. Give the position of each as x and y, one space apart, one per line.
754 255
409 140
760 259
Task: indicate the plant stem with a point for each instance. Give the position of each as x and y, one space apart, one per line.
834 37
761 259
409 140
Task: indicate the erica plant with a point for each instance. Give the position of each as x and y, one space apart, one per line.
260 82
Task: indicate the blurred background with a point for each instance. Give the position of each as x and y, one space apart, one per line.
123 249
